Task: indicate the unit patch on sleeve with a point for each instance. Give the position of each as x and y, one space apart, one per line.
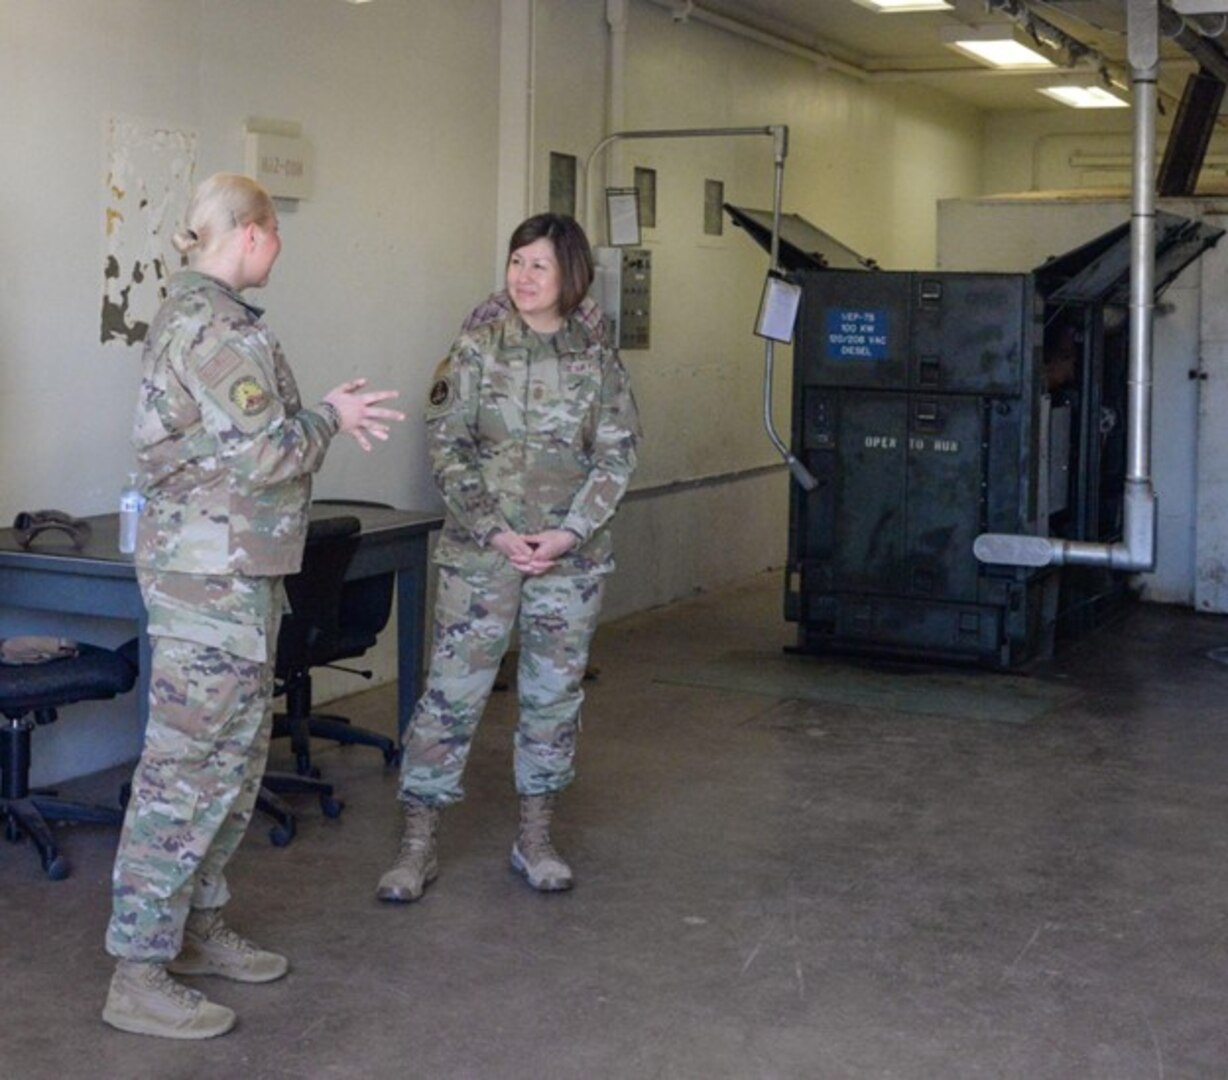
443 392
249 396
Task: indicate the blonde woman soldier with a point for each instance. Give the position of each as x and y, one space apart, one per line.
227 454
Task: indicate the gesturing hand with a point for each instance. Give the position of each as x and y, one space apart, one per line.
359 413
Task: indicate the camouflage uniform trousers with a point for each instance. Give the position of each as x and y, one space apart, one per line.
206 744
474 616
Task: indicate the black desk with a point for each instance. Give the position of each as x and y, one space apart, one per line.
53 576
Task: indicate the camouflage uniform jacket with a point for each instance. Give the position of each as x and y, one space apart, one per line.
528 434
226 447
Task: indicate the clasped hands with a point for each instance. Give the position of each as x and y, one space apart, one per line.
359 412
534 553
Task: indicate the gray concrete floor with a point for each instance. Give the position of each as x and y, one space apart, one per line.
768 888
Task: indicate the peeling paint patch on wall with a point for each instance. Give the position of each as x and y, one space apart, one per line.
149 181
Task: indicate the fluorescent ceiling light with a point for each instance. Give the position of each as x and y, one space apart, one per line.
1088 92
890 7
1002 45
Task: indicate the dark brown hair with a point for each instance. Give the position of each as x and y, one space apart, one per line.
575 257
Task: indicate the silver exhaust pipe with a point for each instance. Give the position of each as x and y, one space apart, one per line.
1136 549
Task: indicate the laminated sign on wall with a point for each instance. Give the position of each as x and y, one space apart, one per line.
280 158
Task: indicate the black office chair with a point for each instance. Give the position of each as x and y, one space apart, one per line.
330 620
312 623
30 694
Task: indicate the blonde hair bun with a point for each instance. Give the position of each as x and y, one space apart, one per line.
220 204
185 241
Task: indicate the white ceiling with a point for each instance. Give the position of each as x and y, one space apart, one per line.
907 46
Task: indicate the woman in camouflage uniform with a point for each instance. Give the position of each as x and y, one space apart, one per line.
532 431
227 452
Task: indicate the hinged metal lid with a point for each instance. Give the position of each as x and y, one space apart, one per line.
802 245
1099 271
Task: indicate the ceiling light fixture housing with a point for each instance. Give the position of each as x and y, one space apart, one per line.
894 7
1000 45
1086 90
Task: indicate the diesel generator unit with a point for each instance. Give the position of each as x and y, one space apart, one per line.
933 407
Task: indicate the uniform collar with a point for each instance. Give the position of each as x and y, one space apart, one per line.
185 280
571 337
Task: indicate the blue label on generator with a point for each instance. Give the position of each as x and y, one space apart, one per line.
854 334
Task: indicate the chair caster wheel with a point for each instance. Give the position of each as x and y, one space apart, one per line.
392 756
281 835
57 869
332 807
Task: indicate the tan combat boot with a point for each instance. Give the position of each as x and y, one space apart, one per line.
145 1000
415 867
210 947
533 855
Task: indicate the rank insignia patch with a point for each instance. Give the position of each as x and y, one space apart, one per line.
249 396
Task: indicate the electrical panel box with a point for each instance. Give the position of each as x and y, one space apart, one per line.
623 288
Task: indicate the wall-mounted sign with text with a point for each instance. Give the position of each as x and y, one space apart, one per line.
282 163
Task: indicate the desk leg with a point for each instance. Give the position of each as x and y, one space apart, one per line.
411 630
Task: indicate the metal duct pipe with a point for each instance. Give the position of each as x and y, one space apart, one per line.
1209 26
1136 550
1198 44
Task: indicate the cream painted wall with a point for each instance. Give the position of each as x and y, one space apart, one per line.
568 87
380 268
1031 151
937 156
401 102
377 268
865 163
